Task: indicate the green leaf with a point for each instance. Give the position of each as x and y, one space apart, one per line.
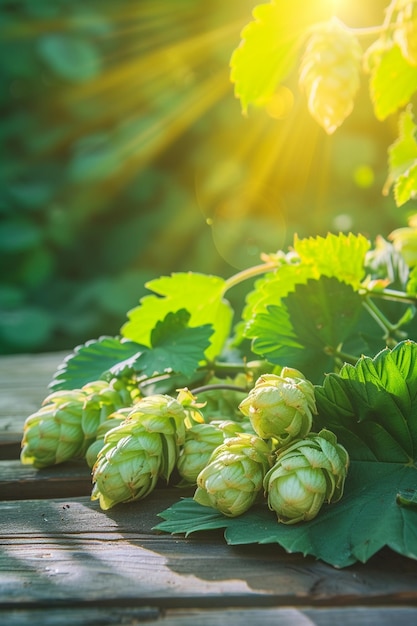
372 406
92 360
309 327
202 296
269 47
364 521
175 346
406 186
393 81
342 256
402 160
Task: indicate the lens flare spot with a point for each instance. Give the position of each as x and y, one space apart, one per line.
364 176
281 103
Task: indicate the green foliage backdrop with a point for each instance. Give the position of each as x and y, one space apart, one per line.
125 156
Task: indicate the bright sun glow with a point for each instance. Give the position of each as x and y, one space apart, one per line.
163 82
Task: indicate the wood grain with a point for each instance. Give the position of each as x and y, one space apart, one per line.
19 482
65 561
133 616
70 550
24 383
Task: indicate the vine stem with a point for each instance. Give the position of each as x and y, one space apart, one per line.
216 387
386 26
378 316
392 294
250 272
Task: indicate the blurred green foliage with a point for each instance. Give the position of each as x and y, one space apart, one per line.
125 157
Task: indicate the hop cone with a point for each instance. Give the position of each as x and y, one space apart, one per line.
67 423
200 442
405 33
54 434
329 73
143 448
306 474
113 420
223 404
281 407
233 477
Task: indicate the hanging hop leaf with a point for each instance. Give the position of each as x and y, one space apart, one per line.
281 407
233 478
142 449
200 442
67 422
306 473
329 73
405 33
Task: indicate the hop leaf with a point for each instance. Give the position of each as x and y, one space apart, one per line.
269 45
402 160
405 33
329 73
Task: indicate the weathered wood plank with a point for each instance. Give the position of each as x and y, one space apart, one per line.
24 383
111 616
69 551
34 370
22 482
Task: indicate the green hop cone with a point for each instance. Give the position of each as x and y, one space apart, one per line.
102 399
113 420
223 404
233 478
54 434
128 465
141 449
67 423
200 442
281 407
306 474
329 73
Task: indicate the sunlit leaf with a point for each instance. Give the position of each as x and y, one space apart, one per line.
270 45
200 294
342 256
393 81
270 289
406 186
372 406
402 160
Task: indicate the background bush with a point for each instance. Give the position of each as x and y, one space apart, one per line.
125 156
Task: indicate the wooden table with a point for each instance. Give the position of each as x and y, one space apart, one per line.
64 561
